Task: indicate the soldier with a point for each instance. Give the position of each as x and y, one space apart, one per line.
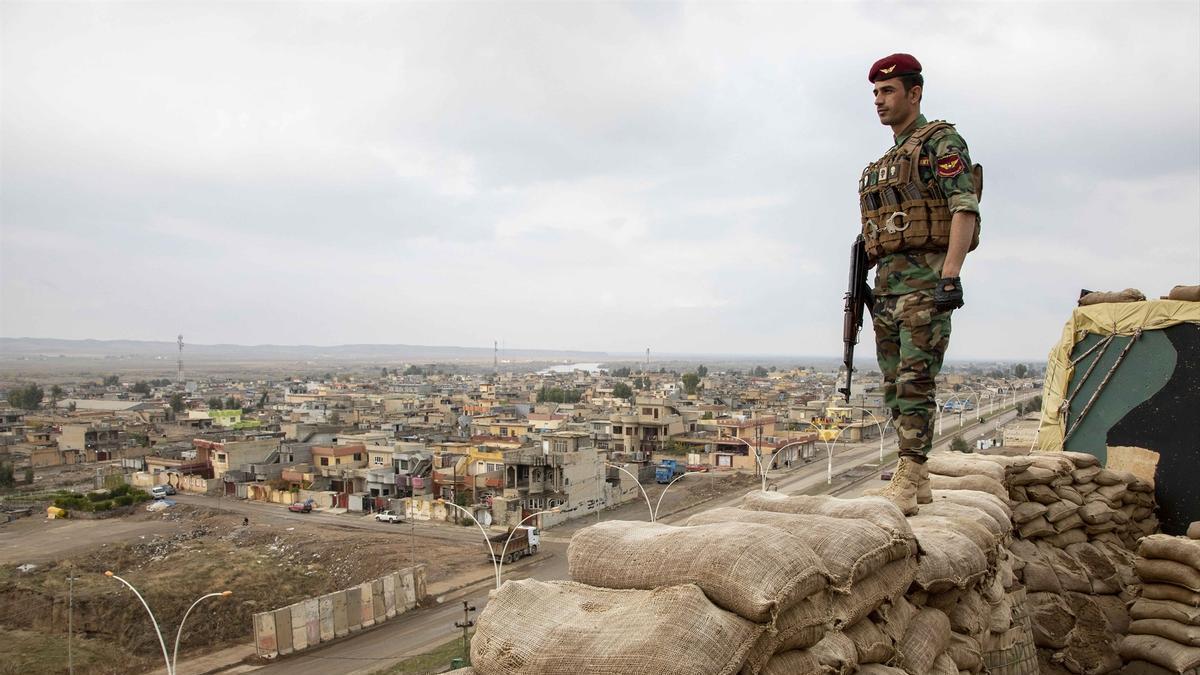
920 216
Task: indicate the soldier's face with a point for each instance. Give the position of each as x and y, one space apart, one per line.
892 103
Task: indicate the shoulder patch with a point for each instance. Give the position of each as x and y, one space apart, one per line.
950 165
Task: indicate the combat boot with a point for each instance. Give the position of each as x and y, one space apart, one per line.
902 491
924 490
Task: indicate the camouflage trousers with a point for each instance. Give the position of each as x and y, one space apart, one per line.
910 340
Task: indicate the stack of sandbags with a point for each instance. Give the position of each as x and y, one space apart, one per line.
1164 636
869 553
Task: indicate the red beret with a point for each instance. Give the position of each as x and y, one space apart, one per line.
893 66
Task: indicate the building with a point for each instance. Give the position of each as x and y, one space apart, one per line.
96 442
236 454
565 471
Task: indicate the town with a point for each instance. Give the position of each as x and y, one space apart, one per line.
399 466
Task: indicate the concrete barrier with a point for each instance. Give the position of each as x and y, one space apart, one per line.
312 621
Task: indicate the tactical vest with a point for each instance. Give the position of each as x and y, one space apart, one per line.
899 211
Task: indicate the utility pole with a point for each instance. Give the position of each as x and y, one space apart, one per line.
465 625
70 622
179 370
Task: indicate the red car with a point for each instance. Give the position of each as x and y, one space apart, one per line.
298 507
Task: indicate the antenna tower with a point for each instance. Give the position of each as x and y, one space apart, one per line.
647 359
179 363
495 355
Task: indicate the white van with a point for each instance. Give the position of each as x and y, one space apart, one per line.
158 492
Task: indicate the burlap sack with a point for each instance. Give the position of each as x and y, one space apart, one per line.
1034 475
1082 460
1113 493
894 618
980 483
566 628
965 653
1165 547
943 665
1085 474
1060 510
1011 464
960 464
1017 494
995 507
1162 652
948 559
876 510
1086 489
1071 574
1091 646
1115 611
886 585
1099 297
1107 477
1042 494
970 525
1096 513
1039 576
1069 494
970 615
461 671
1169 572
870 642
879 669
1038 527
1166 628
1065 539
849 549
1052 619
836 653
803 624
1170 592
752 570
927 637
1026 511
1185 293
1098 569
998 528
1144 608
1193 531
1139 667
1000 617
796 662
1068 522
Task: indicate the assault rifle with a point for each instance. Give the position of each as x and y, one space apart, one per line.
858 295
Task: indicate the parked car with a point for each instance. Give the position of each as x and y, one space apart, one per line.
301 507
159 492
169 488
389 517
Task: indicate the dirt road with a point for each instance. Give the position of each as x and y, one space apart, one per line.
35 539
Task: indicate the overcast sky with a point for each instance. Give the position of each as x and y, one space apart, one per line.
569 176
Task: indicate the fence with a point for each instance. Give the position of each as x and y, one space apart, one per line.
308 623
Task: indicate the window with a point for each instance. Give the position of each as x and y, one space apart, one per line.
378 460
358 456
324 461
648 411
560 446
220 457
503 431
617 430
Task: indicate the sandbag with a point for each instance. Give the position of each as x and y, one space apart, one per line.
1166 628
1071 574
849 549
837 653
995 507
1193 531
1172 593
1070 522
752 570
1038 527
873 509
1040 576
1091 645
1081 460
969 525
795 662
1139 667
1096 566
1042 494
1160 651
886 585
974 482
1085 475
870 642
1034 475
798 627
895 617
944 665
1169 572
879 669
958 512
1000 618
1095 513
948 559
1165 547
1115 612
970 615
1113 493
960 464
1145 608
1069 494
1100 297
1107 477
1052 619
1060 510
927 637
1184 293
965 653
1026 511
1065 539
567 628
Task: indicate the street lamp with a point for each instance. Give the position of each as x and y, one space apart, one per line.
486 539
170 661
504 551
658 504
636 482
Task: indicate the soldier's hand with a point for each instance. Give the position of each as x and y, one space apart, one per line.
948 294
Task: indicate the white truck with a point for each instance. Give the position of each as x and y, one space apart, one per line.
389 517
525 540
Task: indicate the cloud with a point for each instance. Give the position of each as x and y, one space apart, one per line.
592 176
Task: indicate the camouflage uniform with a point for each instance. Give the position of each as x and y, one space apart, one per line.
910 335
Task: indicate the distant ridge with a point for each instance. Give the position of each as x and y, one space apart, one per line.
53 347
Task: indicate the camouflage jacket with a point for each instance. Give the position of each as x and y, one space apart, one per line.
909 271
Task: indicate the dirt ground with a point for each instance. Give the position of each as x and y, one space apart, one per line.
174 557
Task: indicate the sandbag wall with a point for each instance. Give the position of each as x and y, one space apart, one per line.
1076 524
1164 636
779 585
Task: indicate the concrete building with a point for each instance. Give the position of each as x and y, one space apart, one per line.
564 471
96 442
233 454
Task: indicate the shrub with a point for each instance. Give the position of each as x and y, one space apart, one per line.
140 496
102 506
121 490
98 496
124 500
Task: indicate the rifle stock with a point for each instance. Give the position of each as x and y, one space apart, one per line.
858 296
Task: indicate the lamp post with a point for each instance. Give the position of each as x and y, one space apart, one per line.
486 539
167 659
639 485
878 427
504 551
664 492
